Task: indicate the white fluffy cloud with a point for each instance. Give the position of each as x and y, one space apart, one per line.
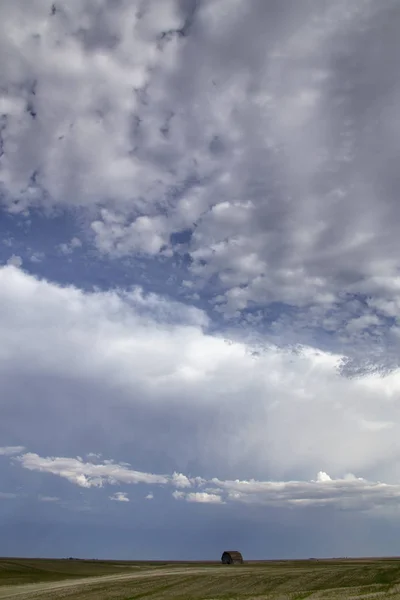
280 414
203 498
349 492
120 497
85 474
180 480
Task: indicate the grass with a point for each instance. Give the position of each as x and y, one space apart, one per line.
283 580
14 571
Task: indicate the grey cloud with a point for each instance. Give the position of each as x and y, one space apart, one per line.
8 496
175 393
298 206
49 499
10 450
15 261
251 147
68 248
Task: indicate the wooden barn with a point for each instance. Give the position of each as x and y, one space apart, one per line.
232 557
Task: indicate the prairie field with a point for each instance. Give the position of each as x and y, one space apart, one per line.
22 579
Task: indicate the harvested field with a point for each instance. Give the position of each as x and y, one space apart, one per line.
283 580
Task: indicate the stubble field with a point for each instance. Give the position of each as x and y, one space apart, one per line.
22 579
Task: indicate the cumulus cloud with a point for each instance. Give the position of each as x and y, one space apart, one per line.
86 474
202 498
120 497
180 480
349 492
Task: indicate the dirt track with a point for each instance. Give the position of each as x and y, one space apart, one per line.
48 590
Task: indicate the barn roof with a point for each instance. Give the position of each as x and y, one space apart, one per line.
233 553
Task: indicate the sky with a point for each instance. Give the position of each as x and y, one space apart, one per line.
199 278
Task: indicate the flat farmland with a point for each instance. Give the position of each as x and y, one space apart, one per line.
22 579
